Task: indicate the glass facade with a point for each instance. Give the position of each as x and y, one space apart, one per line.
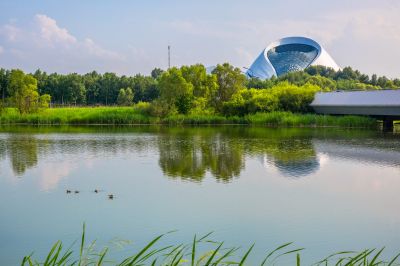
291 57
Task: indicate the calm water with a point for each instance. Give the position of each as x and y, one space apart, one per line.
327 190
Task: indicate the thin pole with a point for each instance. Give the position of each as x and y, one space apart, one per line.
169 56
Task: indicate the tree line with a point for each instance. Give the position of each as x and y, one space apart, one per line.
188 89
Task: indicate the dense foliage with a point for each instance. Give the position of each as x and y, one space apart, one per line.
23 93
184 90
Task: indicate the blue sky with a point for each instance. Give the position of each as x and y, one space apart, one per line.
129 37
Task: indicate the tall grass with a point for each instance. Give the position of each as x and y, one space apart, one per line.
188 254
131 115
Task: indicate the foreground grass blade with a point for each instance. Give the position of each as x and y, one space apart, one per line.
246 255
82 244
394 259
226 255
213 254
275 250
131 261
102 255
359 257
372 263
288 252
333 255
193 250
205 236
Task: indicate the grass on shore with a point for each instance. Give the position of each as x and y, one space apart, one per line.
130 116
189 254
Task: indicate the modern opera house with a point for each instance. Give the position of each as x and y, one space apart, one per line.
289 54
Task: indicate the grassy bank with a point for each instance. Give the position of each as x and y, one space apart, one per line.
202 250
130 115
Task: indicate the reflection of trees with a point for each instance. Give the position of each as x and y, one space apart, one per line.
23 153
181 157
188 155
225 158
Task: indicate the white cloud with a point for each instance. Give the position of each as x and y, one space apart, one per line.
51 32
366 37
46 45
96 50
10 32
53 173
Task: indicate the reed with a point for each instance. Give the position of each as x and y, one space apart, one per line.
133 115
154 253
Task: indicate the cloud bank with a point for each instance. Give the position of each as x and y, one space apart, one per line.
48 46
365 36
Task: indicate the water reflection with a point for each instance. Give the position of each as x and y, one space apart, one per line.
193 153
22 151
189 155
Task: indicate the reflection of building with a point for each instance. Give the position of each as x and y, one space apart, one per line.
289 54
378 153
293 169
370 153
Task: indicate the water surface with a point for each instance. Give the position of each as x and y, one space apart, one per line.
325 189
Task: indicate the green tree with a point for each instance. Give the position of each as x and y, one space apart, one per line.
156 73
24 92
203 85
108 88
175 91
125 97
91 83
75 91
4 79
326 84
230 80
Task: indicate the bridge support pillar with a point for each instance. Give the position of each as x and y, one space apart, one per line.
387 124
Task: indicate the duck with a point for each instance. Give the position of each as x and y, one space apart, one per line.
76 191
111 196
96 191
68 191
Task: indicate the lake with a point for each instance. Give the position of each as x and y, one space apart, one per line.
325 189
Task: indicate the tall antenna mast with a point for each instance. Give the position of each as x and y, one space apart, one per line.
169 56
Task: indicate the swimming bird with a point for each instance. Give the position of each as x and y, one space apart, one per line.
76 191
68 191
111 196
96 191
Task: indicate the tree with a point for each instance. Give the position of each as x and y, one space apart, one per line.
125 97
156 73
109 88
4 79
230 80
41 78
203 85
298 78
91 83
326 84
75 91
175 91
24 92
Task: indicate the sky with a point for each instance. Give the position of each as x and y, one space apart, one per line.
132 36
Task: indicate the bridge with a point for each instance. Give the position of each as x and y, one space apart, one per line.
381 104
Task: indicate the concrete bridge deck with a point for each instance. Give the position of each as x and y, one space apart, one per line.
381 104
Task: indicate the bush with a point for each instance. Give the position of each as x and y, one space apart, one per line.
143 108
281 97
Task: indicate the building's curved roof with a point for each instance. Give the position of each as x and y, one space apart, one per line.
289 54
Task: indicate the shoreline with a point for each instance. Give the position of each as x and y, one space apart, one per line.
130 116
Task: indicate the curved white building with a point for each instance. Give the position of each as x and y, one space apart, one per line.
289 54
